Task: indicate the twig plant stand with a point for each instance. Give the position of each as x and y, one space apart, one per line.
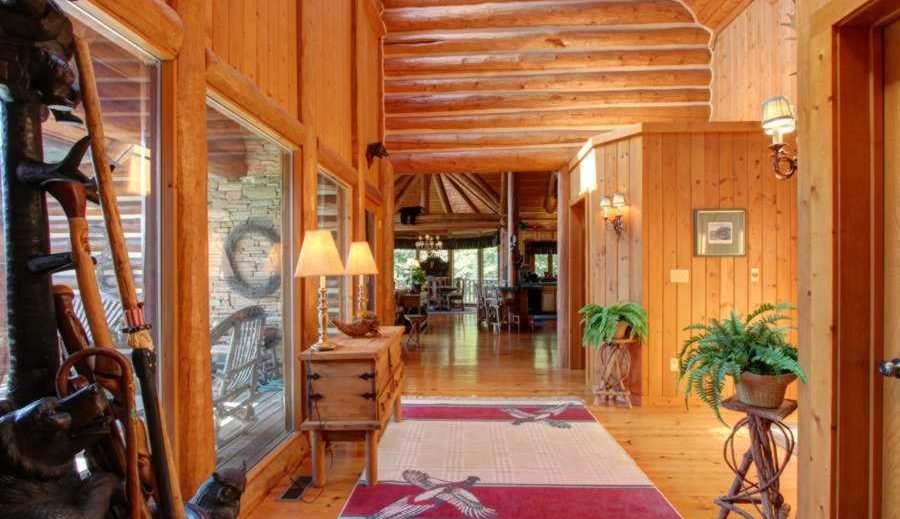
763 493
613 369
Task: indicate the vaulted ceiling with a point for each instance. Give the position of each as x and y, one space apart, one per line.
479 86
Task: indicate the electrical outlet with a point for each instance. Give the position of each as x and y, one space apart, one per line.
673 364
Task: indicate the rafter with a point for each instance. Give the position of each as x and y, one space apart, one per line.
465 183
442 193
469 139
462 194
400 190
481 161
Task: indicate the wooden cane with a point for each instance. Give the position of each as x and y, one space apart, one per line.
171 504
132 479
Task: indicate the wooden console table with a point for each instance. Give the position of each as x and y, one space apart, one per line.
351 393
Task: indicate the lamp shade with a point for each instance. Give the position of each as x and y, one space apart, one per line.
618 200
360 260
319 256
778 116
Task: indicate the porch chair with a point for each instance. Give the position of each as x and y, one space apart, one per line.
239 375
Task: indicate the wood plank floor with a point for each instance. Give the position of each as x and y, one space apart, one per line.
680 451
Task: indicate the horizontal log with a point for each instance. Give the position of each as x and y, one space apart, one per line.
433 103
481 161
567 82
550 118
393 4
438 141
521 40
518 62
528 14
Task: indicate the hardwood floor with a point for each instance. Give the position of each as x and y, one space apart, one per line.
680 451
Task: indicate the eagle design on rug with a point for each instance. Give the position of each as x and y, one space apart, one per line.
545 415
436 492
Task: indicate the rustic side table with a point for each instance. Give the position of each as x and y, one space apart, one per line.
613 369
764 453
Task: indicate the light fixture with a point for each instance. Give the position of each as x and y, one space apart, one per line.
778 120
319 257
360 262
587 176
429 244
613 211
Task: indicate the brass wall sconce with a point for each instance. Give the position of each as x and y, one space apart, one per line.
778 120
614 211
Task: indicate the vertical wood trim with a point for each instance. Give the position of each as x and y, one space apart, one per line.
563 333
193 417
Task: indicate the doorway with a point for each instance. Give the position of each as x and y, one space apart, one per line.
577 281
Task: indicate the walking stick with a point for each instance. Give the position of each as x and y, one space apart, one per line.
132 479
171 504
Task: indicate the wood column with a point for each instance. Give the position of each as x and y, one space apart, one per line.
195 440
503 250
512 227
563 187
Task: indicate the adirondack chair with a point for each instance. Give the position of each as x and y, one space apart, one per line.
239 376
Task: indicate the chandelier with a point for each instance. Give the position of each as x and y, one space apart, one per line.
429 244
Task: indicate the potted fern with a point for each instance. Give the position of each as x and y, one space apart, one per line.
753 351
604 324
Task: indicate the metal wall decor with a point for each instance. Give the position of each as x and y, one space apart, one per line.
720 232
239 280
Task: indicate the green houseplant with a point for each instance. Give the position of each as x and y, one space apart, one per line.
417 277
754 351
603 324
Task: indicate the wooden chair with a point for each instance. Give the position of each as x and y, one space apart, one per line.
239 375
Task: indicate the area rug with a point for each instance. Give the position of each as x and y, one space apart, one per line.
504 459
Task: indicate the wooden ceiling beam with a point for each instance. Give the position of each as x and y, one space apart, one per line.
486 102
464 182
442 193
481 161
485 186
527 14
544 39
394 4
401 188
419 66
439 141
462 194
568 82
425 193
551 118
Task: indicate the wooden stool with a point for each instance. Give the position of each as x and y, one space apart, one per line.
613 369
763 493
415 329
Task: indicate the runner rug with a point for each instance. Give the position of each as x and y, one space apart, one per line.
504 459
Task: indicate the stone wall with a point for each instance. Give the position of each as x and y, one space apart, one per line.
253 198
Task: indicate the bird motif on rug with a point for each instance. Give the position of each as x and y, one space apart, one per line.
545 415
436 492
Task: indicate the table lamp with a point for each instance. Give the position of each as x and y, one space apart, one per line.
319 257
359 263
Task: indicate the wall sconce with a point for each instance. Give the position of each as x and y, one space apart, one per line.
613 211
778 120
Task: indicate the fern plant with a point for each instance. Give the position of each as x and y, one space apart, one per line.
755 344
600 321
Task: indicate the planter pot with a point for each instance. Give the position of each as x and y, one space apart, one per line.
763 390
623 331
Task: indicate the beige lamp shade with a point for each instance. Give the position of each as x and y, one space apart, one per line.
778 116
319 256
360 260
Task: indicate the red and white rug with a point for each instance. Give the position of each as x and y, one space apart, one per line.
504 459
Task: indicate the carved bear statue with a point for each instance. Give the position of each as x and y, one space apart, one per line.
38 444
220 496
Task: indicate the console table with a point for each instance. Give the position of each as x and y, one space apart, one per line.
351 393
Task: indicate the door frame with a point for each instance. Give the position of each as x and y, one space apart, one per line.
577 267
858 259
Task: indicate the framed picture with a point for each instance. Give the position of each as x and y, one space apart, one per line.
720 232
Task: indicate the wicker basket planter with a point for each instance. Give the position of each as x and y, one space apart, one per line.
763 390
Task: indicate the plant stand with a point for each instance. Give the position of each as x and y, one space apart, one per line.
613 368
763 493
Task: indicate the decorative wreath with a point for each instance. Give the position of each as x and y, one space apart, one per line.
243 286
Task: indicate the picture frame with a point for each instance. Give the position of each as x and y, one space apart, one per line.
720 232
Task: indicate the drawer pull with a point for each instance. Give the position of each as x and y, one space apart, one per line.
313 376
367 376
315 397
369 396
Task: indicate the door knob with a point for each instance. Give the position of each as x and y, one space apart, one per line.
890 368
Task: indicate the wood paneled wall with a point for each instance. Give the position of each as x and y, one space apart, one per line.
259 39
667 172
754 58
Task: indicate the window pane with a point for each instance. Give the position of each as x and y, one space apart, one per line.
246 197
541 264
402 268
333 214
556 265
465 266
128 84
491 264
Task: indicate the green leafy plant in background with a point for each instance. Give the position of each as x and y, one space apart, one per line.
718 349
417 275
600 322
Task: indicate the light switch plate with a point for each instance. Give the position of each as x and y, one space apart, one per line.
673 364
754 275
680 276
